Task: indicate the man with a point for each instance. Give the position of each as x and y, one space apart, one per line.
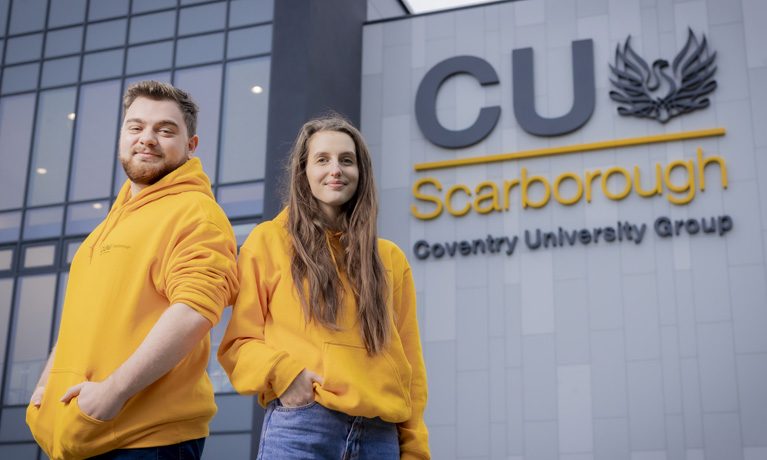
127 375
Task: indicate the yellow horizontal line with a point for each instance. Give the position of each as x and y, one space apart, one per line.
571 149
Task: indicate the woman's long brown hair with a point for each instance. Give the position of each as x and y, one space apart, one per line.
315 265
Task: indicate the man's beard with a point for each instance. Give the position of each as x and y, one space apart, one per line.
147 173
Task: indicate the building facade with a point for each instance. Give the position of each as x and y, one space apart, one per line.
592 282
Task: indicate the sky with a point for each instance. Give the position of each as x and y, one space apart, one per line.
422 6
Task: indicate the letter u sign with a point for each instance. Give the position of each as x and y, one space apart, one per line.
584 97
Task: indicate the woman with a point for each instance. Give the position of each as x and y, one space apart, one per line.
324 328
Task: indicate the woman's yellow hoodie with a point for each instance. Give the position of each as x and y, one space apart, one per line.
170 243
268 343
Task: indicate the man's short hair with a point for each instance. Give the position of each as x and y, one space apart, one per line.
157 91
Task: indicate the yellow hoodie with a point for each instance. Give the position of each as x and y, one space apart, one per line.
267 343
170 243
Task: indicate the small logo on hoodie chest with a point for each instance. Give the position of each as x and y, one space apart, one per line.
108 248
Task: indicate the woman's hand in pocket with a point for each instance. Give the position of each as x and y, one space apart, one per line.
301 390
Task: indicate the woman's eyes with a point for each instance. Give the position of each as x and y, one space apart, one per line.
346 161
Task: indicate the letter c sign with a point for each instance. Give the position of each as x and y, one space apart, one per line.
426 98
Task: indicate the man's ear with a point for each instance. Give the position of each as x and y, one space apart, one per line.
192 146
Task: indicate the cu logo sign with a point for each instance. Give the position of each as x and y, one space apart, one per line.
584 92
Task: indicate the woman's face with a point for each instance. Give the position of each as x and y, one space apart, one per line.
331 169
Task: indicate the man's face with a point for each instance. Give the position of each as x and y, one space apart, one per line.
153 141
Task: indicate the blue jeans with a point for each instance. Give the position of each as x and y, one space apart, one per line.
313 432
187 450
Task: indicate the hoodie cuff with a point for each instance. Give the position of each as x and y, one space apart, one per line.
283 373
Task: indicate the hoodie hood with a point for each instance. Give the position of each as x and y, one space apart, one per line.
188 177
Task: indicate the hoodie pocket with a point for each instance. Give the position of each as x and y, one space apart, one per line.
359 384
42 432
63 430
85 436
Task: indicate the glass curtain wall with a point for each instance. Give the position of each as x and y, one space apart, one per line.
63 67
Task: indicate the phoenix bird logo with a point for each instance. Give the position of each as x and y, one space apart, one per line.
687 83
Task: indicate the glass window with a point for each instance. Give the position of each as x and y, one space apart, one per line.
163 77
120 178
147 58
200 50
39 256
10 226
227 446
63 278
105 35
199 82
26 48
248 42
3 15
242 231
141 6
43 223
83 218
241 200
16 116
218 377
106 64
71 249
95 140
31 332
6 263
50 152
64 13
244 12
110 9
2 49
58 72
64 41
13 426
152 27
243 141
26 17
19 451
6 295
204 18
20 78
192 2
235 413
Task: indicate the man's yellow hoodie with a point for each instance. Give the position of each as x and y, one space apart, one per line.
268 343
170 243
